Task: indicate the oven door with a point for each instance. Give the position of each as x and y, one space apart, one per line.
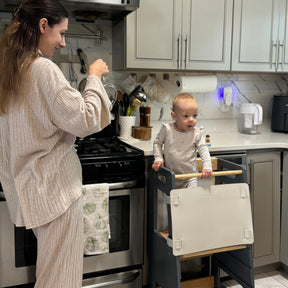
126 216
10 275
18 246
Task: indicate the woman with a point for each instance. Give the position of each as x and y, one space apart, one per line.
40 115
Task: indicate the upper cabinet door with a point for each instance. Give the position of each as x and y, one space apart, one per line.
206 33
259 35
153 35
179 35
284 33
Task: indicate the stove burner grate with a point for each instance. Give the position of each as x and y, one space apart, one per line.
104 147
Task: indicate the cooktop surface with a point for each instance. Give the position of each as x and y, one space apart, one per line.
105 148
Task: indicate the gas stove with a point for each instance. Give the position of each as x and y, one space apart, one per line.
105 149
109 160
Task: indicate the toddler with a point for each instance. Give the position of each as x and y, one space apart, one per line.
182 140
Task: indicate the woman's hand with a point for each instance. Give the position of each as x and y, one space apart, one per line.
99 68
206 173
156 165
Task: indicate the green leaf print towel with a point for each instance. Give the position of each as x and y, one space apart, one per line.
96 218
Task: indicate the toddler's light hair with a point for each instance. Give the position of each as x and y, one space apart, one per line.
182 96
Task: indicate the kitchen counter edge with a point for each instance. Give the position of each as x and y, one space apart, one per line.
224 136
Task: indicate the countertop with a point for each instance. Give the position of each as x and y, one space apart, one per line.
224 136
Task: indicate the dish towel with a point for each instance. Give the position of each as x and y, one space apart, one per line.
96 218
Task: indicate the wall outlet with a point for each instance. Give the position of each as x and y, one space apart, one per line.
228 96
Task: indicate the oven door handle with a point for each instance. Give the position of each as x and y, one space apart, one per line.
122 185
127 278
112 186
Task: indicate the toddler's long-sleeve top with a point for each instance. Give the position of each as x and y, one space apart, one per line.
180 149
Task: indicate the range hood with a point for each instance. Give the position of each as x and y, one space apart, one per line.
88 10
100 9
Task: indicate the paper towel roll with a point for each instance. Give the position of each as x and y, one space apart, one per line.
190 84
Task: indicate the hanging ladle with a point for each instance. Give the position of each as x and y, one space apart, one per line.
83 69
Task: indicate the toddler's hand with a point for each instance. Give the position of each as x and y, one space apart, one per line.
156 165
206 173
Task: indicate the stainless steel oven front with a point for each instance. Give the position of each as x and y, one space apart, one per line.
121 267
125 260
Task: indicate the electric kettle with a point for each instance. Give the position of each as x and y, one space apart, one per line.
251 116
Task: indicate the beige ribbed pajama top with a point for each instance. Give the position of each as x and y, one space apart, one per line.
39 169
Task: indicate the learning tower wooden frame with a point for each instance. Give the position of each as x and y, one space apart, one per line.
164 266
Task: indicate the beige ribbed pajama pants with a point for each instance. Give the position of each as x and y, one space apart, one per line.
60 250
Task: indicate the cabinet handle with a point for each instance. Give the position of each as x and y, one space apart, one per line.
283 54
178 51
274 45
186 52
277 55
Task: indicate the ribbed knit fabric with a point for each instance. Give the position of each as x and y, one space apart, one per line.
60 250
39 169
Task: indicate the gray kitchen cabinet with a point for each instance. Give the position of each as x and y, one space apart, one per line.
175 34
259 35
284 216
264 181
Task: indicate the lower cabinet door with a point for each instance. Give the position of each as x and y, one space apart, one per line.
264 180
284 216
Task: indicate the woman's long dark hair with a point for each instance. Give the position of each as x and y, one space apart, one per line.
19 45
